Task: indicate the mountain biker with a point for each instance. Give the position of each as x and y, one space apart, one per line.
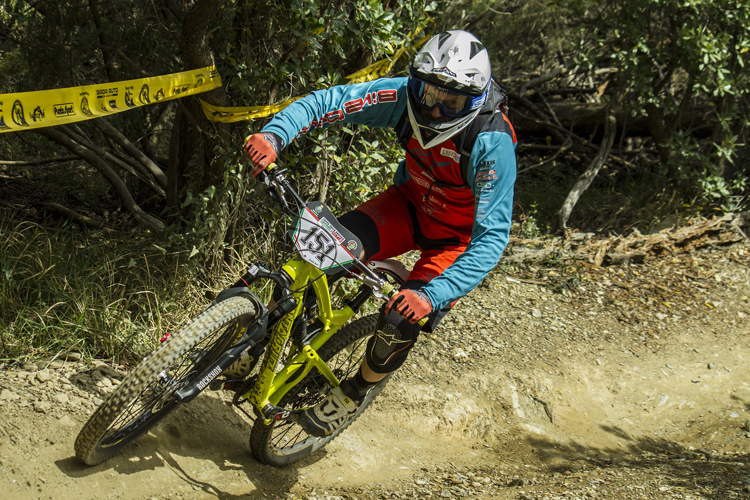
460 221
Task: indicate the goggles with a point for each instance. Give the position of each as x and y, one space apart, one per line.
451 103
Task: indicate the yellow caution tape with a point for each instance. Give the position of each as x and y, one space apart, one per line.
234 114
230 115
47 108
375 70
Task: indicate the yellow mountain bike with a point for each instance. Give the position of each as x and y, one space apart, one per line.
296 348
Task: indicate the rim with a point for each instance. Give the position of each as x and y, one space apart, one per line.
155 400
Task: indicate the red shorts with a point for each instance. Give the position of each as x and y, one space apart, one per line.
402 228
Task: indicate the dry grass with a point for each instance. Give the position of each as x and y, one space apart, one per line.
92 292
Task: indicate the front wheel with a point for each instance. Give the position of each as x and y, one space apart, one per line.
283 441
147 393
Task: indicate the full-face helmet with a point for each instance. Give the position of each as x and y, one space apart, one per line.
451 72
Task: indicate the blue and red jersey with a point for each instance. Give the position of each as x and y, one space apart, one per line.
478 214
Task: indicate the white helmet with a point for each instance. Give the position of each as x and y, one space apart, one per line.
451 72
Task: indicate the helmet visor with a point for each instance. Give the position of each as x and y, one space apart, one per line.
451 103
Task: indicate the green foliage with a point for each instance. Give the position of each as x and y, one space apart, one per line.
676 54
263 54
303 45
267 55
679 63
366 168
528 223
72 290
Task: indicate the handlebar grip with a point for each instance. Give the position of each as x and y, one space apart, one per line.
263 175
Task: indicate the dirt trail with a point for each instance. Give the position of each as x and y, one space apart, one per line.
524 394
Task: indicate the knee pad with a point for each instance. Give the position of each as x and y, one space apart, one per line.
388 348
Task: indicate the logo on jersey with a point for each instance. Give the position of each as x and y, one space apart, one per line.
353 106
451 154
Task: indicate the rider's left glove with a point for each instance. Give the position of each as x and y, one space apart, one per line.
262 149
411 304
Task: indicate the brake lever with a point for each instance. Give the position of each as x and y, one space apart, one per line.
381 288
280 193
286 188
273 178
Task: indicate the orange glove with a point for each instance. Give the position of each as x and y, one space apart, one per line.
262 149
413 305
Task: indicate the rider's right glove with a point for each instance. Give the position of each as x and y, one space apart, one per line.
262 149
411 304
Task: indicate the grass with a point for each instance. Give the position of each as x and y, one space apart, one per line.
71 289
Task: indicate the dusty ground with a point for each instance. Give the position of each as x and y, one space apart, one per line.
575 381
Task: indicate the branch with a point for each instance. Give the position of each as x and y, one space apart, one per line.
289 53
565 140
554 129
131 63
109 174
560 70
136 153
62 159
72 214
136 169
584 181
133 168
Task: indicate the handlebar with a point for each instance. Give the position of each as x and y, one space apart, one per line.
281 188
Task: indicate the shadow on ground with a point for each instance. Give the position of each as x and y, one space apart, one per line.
700 472
197 442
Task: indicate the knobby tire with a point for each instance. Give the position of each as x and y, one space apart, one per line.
145 396
284 442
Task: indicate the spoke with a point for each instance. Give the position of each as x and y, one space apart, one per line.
160 390
286 429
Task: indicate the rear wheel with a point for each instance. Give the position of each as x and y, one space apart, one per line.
283 441
147 393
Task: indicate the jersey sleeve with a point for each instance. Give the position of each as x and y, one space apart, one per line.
379 104
492 170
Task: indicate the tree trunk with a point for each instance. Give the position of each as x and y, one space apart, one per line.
200 145
103 38
584 181
658 129
194 138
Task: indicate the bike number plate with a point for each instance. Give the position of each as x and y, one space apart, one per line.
322 241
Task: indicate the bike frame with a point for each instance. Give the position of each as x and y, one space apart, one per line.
270 386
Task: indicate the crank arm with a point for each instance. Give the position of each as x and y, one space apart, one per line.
272 413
